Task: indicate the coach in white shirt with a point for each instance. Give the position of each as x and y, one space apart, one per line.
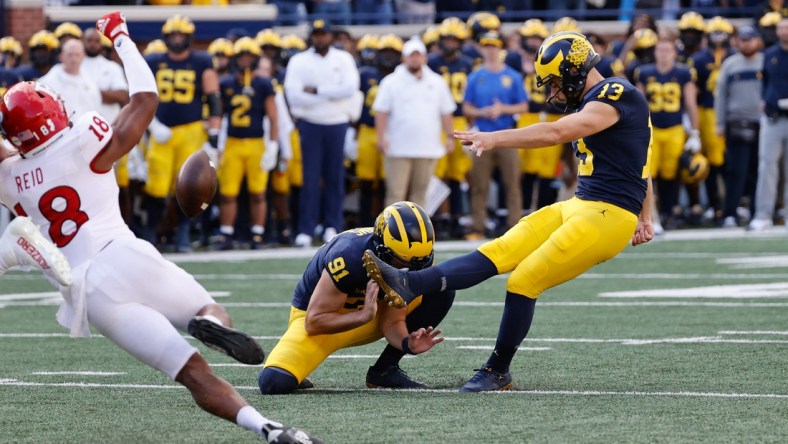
79 93
413 105
321 86
106 74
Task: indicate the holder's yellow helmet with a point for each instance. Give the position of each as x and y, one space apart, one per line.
403 236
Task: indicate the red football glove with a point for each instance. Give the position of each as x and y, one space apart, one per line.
113 25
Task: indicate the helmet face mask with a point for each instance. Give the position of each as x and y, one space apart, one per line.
403 236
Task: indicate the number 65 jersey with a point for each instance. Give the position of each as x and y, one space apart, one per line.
71 202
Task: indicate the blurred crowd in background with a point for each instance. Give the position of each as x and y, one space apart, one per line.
313 134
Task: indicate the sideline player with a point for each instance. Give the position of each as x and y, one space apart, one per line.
336 306
612 134
70 193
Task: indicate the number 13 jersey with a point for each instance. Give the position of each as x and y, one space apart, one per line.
71 202
614 163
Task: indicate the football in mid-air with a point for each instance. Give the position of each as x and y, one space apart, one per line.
196 184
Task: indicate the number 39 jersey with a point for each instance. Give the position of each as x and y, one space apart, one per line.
71 203
614 163
342 259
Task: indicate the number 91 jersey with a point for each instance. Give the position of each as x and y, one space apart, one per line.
71 202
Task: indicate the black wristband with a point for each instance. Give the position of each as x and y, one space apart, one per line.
405 347
213 140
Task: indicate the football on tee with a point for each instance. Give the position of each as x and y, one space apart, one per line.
196 184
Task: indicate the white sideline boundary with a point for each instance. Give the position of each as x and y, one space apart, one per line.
681 394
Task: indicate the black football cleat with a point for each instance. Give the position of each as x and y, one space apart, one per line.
488 380
306 384
391 377
288 435
234 343
393 282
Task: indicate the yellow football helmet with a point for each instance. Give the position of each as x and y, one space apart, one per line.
367 42
692 21
248 46
481 22
68 29
44 39
566 24
268 37
178 23
292 41
719 24
770 19
221 47
156 46
645 38
403 236
430 36
569 57
694 167
452 27
533 28
390 41
10 44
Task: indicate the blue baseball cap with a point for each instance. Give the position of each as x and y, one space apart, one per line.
747 33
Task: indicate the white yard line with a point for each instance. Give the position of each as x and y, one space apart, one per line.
84 373
492 347
585 393
747 291
753 332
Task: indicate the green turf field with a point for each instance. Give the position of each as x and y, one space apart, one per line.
605 361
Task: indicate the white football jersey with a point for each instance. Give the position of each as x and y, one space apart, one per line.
71 203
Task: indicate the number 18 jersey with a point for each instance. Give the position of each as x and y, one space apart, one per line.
614 163
71 202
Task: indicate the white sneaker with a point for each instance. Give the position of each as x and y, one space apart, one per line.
329 233
760 224
303 241
22 245
658 230
729 222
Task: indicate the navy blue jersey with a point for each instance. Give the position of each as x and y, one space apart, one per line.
707 63
514 60
609 66
28 73
613 164
370 80
180 87
665 92
455 73
469 50
342 259
8 78
245 106
775 82
629 71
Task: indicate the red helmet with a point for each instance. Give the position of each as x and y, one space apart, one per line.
31 115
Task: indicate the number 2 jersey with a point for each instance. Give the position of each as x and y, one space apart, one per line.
245 105
72 204
614 162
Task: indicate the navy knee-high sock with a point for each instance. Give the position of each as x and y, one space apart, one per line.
518 312
455 274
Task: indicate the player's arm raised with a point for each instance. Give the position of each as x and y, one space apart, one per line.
593 118
323 316
135 117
